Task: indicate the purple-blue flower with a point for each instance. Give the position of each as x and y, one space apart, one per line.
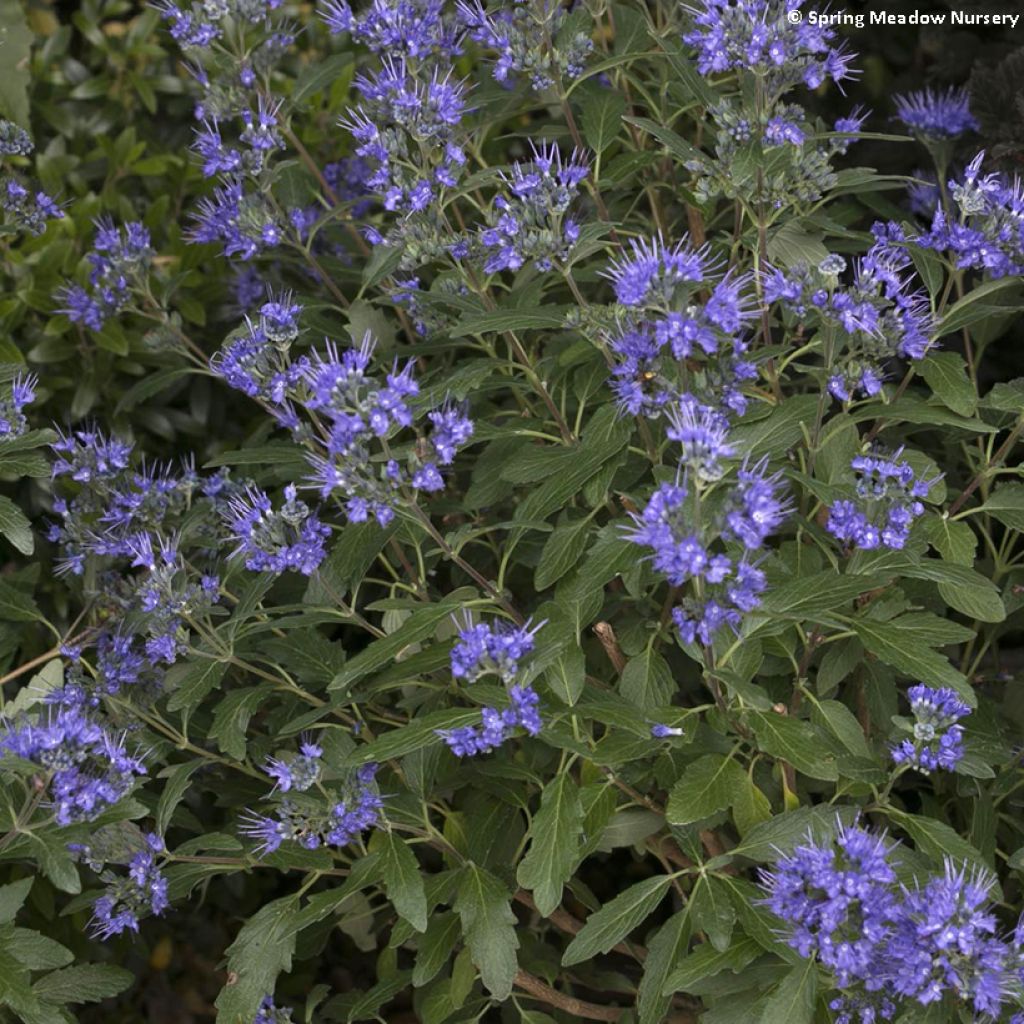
935 113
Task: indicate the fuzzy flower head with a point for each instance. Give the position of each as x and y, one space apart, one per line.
937 741
414 28
497 649
89 769
299 771
651 274
527 39
529 221
290 538
935 114
836 900
14 396
143 891
945 941
313 820
988 235
769 37
270 1013
889 499
496 726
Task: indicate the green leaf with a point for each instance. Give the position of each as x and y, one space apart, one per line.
37 952
554 841
561 552
782 833
196 681
954 540
421 732
977 305
647 680
231 719
1006 503
899 644
14 525
500 320
606 435
83 983
706 961
319 75
682 150
792 245
12 897
946 374
937 840
175 787
17 606
418 626
712 912
568 675
782 430
435 947
15 52
839 720
705 787
348 561
615 920
488 924
807 596
602 111
403 882
792 1002
262 949
960 586
795 741
663 952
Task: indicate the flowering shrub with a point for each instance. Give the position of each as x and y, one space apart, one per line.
504 519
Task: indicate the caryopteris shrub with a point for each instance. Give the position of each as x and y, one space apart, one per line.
505 520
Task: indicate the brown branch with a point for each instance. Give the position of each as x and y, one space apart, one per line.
604 632
569 1004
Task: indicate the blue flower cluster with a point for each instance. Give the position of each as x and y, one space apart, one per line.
760 36
270 1013
530 222
879 316
496 726
407 129
530 38
774 49
669 345
937 741
683 540
119 259
238 126
88 769
14 396
290 538
494 649
141 892
934 114
682 356
482 649
989 234
128 521
889 495
26 209
316 820
299 771
413 28
350 412
888 945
